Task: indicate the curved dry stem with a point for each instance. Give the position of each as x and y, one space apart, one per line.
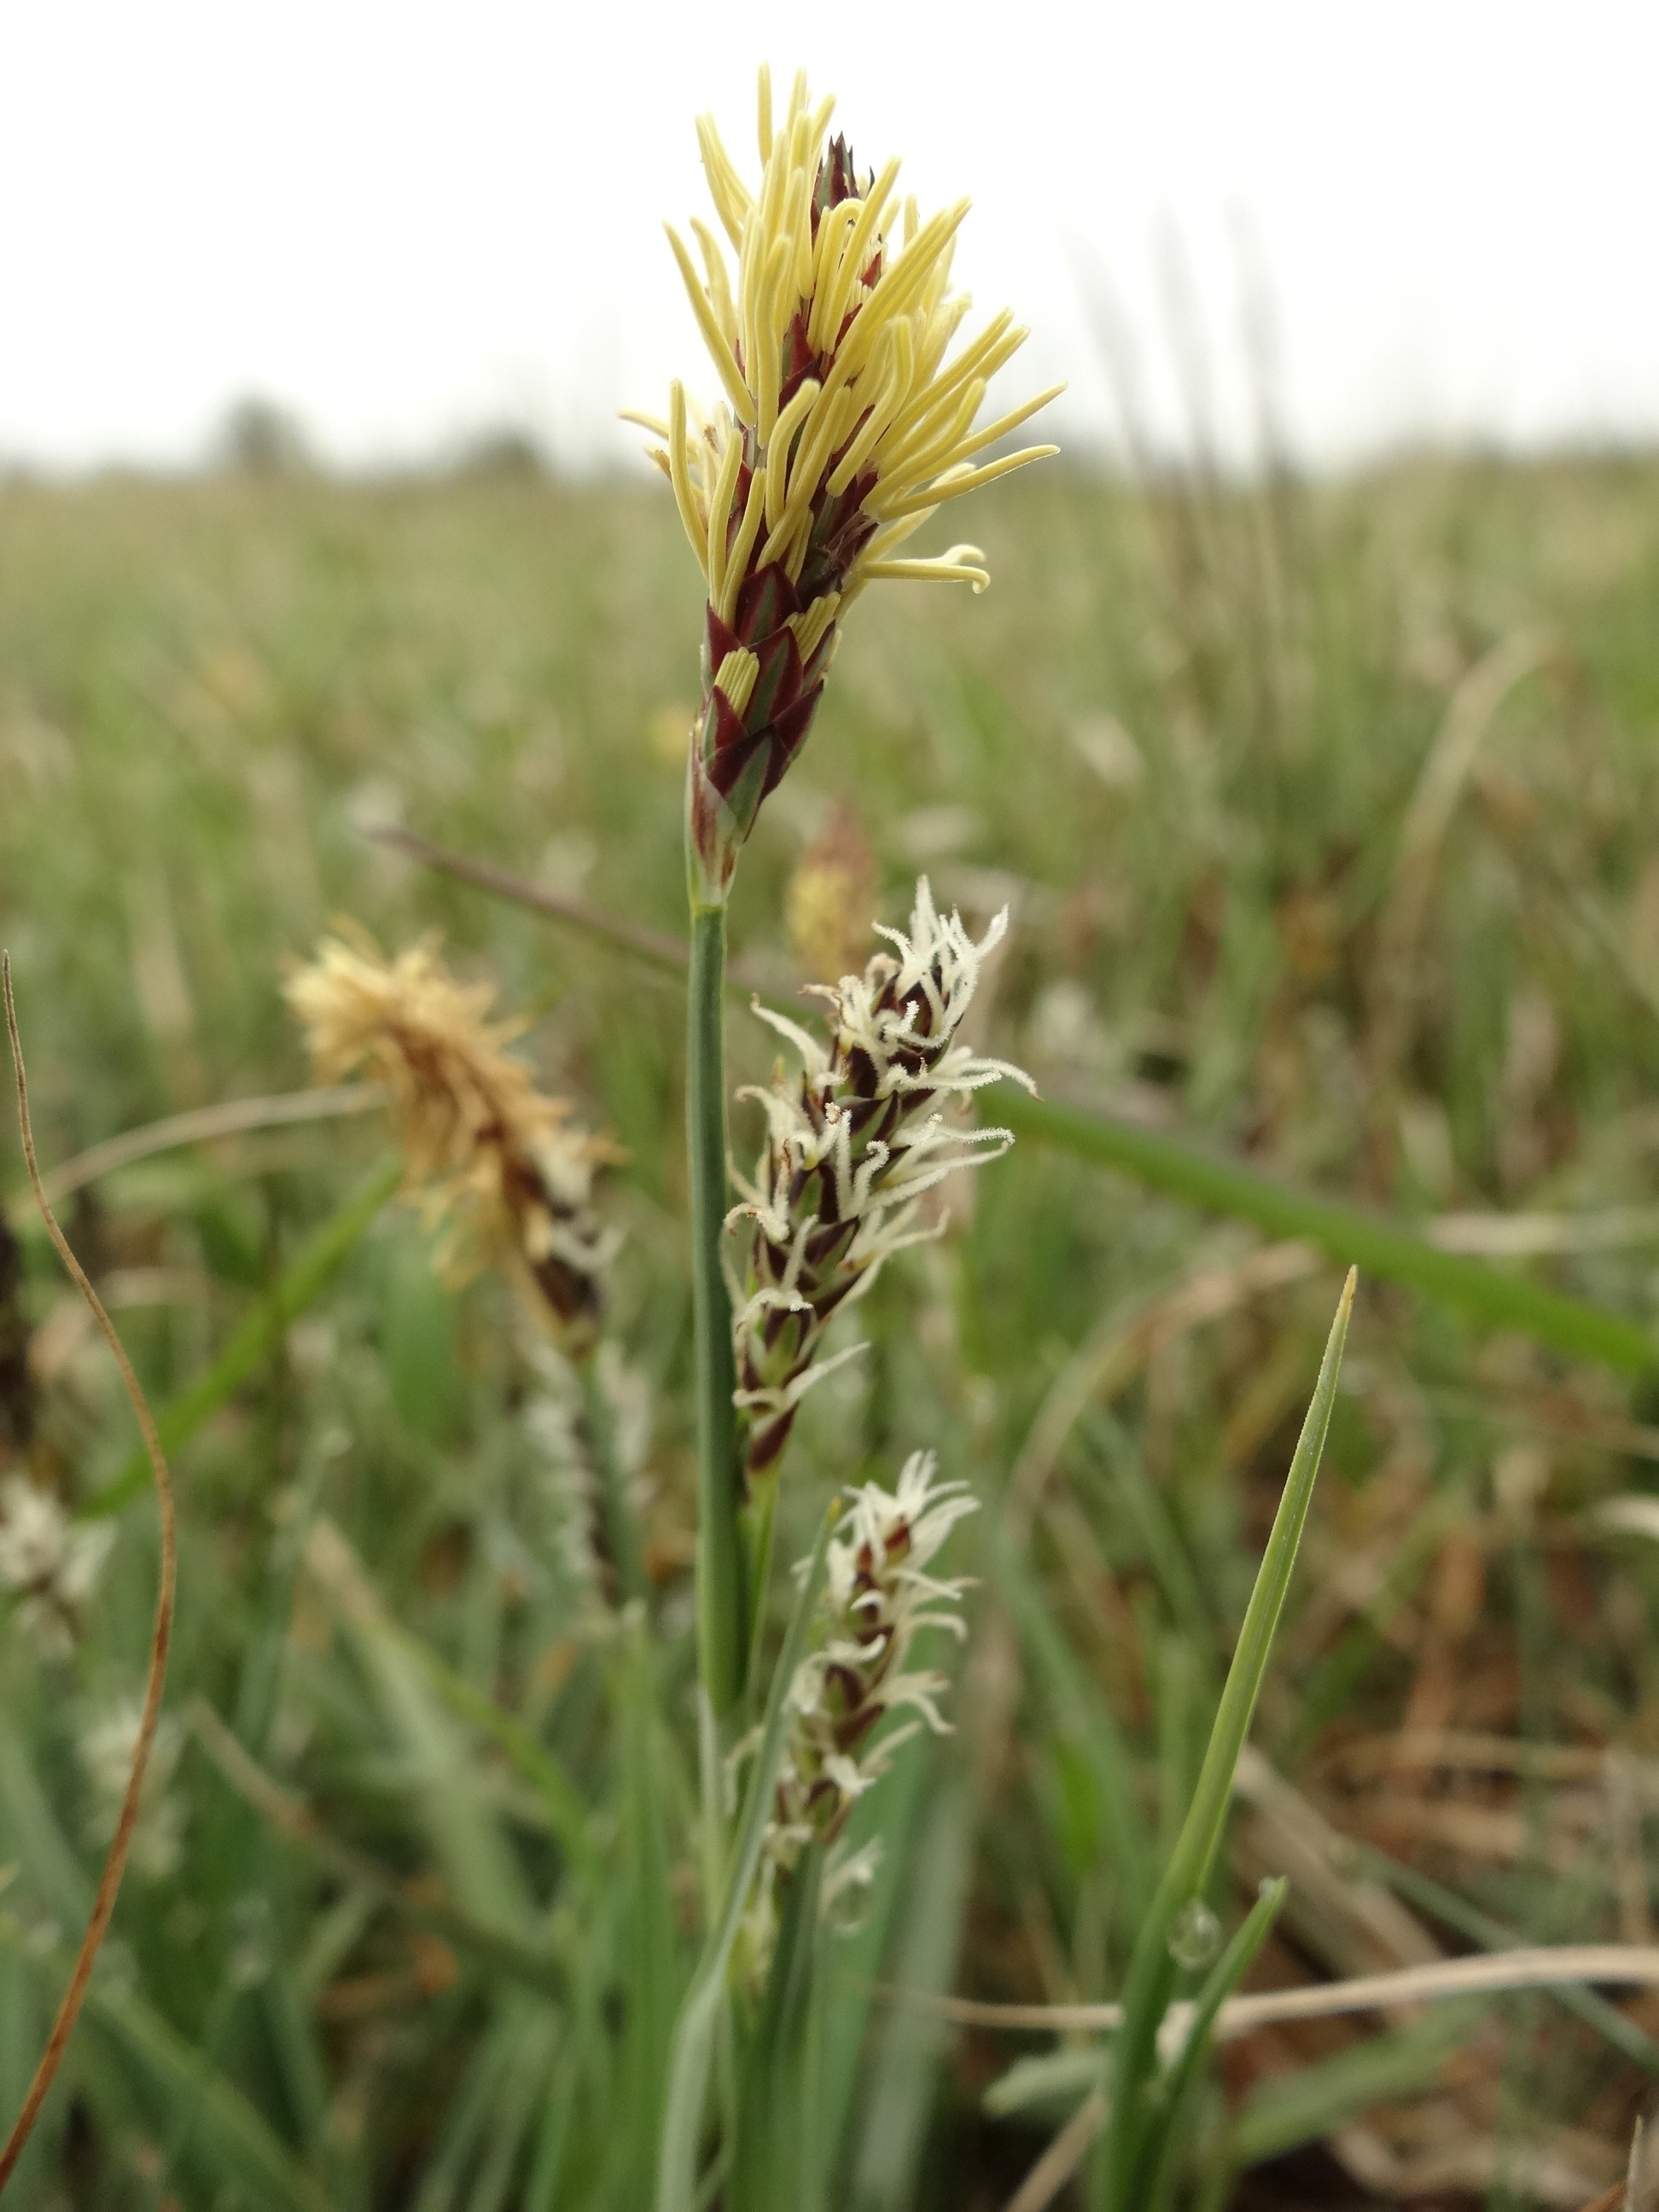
234 1117
1488 1974
109 1881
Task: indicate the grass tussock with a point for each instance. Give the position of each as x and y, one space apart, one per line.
1323 816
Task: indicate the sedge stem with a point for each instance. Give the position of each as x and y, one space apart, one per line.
722 1590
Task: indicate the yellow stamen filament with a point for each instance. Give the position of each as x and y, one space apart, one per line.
713 337
743 545
736 677
726 189
679 475
765 334
719 509
959 565
884 404
1005 423
857 252
943 325
834 226
804 250
719 284
952 487
829 425
899 283
887 540
765 116
793 556
931 444
777 451
889 404
808 627
996 344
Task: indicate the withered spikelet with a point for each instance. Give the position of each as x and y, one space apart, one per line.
487 1155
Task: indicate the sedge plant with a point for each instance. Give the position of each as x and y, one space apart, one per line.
845 422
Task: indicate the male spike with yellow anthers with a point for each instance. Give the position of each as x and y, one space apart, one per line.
841 430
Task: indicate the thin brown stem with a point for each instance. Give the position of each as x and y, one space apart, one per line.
109 1881
233 1117
1064 2155
656 945
660 946
1492 1973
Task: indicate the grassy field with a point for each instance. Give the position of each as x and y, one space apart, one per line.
1325 817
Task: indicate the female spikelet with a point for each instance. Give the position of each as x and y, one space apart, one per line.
878 1597
843 429
852 1145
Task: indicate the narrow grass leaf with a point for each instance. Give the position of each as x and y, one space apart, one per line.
1200 1838
1121 2171
1050 2082
529 1757
1086 1719
891 1813
655 1974
1223 1977
251 1344
904 2077
1302 2108
1348 1234
224 2129
1434 1898
482 1869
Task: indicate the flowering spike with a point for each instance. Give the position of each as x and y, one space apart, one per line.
842 429
852 1145
876 1595
486 1152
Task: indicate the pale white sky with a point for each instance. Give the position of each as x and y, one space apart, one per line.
408 219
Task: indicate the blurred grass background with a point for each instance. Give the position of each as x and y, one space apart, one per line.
1325 816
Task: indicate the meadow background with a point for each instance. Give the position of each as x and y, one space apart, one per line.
377 1958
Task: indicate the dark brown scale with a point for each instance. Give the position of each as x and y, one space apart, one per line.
837 180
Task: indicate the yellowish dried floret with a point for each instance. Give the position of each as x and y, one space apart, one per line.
487 1155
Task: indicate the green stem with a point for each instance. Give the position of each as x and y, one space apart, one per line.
722 1594
759 1527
